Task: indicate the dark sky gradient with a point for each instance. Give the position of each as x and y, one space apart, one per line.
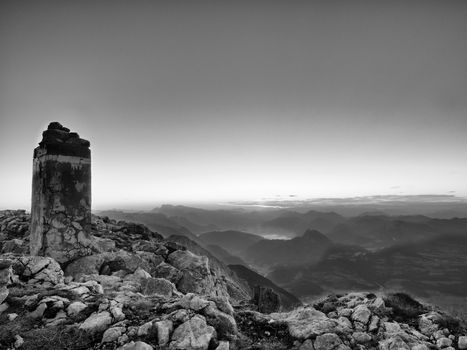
226 100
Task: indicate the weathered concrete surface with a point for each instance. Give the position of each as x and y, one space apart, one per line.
61 196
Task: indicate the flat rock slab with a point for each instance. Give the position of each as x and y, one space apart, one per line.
306 322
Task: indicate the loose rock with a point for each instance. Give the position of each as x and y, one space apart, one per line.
194 334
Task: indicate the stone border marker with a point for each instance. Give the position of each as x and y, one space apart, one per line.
61 196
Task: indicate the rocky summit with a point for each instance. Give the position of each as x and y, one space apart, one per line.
141 291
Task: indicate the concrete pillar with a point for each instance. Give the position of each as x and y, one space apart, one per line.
61 196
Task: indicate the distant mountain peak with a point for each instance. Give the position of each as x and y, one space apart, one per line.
315 235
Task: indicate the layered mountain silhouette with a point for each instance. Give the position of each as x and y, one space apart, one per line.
306 249
379 231
370 251
233 241
216 220
225 256
292 222
436 265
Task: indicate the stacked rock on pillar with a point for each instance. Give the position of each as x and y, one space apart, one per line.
61 196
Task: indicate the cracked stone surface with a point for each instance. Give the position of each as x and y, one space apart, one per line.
61 196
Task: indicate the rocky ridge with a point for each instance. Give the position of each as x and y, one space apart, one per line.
140 291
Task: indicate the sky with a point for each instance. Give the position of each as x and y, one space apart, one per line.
187 101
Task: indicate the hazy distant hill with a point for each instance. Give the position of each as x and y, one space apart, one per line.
294 223
306 249
448 214
448 206
233 241
379 231
225 256
198 245
193 227
337 270
438 265
219 220
373 231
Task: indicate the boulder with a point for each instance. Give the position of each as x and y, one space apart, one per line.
14 224
75 308
139 345
109 283
140 231
428 323
85 288
189 301
225 324
97 322
173 247
15 245
353 299
344 325
361 314
157 286
141 274
56 302
327 341
378 305
164 329
38 270
168 272
179 316
307 345
346 312
420 347
150 258
306 322
223 345
19 341
361 337
392 328
105 264
112 334
156 248
223 304
196 275
374 323
6 273
462 342
3 307
39 311
443 342
59 319
393 343
117 313
103 245
145 329
12 316
193 334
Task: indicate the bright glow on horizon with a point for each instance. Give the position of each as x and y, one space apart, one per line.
238 100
